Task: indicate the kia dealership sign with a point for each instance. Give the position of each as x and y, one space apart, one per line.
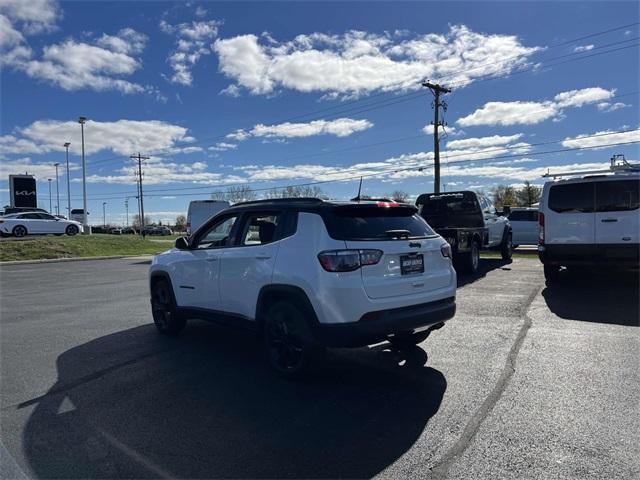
23 191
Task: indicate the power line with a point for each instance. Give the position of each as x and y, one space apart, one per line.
421 167
165 191
388 102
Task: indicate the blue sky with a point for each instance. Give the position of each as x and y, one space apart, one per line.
271 94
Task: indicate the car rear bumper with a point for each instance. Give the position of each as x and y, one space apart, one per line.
376 326
590 255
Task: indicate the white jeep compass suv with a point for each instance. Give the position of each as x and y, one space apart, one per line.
309 274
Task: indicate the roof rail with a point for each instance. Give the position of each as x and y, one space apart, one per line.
619 164
282 200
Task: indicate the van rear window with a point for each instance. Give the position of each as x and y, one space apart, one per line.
375 223
617 195
572 198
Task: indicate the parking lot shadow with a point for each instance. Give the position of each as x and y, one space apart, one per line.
135 404
596 296
485 266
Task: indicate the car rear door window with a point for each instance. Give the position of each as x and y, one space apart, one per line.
572 198
375 223
260 228
617 195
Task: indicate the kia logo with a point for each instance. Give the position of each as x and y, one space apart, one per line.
25 192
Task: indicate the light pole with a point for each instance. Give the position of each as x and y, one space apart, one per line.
57 190
85 228
50 207
66 145
104 214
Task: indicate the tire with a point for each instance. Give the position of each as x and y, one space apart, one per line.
506 249
163 309
470 261
19 231
72 230
288 345
551 274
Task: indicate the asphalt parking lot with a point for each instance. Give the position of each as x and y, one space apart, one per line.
526 381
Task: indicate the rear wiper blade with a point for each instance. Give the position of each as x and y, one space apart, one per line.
398 233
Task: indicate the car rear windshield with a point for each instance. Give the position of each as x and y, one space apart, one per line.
376 223
450 204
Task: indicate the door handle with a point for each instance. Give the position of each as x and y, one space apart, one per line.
609 220
263 257
212 259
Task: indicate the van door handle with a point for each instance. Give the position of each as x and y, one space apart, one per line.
263 257
609 220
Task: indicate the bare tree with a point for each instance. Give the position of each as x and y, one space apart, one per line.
181 222
528 194
295 191
399 196
235 194
504 195
136 220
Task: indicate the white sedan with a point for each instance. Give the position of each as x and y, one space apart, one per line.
37 223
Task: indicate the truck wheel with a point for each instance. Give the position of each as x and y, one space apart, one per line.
470 260
163 308
506 249
289 350
551 273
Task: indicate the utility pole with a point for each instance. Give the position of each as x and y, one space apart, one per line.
436 90
85 223
50 207
126 206
57 190
140 158
104 214
66 145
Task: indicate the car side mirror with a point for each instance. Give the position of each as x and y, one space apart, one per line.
506 210
182 243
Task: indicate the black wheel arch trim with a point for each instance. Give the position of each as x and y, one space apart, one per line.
160 275
291 291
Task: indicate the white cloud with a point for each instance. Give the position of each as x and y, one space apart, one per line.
583 48
357 62
126 41
529 113
74 65
40 170
578 98
223 147
580 141
192 43
231 91
448 130
611 107
32 16
122 137
341 127
509 113
484 142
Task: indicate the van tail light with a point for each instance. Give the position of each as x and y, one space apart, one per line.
445 249
541 228
348 260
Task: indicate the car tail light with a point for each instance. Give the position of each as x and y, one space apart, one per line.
541 228
445 249
348 260
387 204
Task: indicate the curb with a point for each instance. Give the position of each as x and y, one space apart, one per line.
72 259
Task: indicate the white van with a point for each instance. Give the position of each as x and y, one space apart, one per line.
590 221
202 210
